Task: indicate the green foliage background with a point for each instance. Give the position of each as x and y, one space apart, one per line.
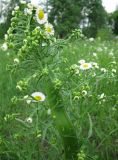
95 124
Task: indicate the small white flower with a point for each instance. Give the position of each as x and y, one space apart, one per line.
85 66
41 16
16 8
49 29
81 61
16 60
29 120
4 47
38 96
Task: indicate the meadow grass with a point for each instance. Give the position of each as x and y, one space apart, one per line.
94 115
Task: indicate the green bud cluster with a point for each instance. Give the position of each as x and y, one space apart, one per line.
22 85
57 84
81 155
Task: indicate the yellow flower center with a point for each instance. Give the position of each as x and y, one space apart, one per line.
38 98
85 65
49 29
41 14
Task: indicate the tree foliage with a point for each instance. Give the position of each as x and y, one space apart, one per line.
70 14
65 15
114 21
5 14
97 16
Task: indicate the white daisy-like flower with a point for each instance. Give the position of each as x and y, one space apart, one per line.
29 120
81 61
49 29
41 16
35 97
85 66
38 96
4 47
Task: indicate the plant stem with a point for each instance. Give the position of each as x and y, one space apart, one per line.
63 123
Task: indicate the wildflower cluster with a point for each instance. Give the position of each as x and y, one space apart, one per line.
56 82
